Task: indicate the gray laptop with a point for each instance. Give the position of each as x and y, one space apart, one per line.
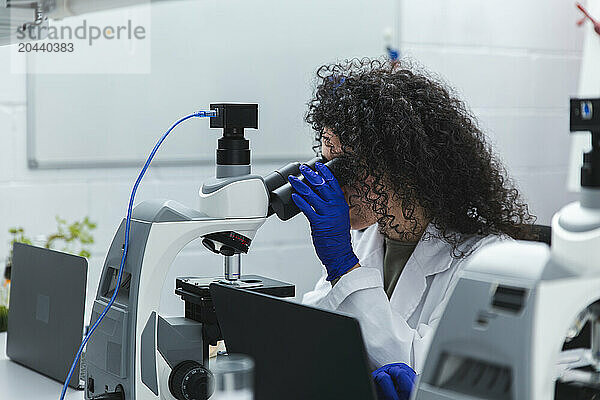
45 315
301 352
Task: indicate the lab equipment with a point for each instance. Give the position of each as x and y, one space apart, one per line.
118 392
394 381
139 351
46 310
516 304
233 377
280 198
588 87
392 52
324 204
18 17
301 352
200 313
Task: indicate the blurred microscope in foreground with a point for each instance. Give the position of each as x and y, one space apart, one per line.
517 304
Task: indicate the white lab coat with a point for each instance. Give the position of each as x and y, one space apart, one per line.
399 329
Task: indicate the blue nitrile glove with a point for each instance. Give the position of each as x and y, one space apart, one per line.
394 381
324 205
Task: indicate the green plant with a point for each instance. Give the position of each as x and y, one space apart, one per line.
3 318
76 236
18 236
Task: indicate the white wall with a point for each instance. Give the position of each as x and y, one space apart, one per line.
32 199
516 63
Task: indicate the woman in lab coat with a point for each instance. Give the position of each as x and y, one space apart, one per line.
424 192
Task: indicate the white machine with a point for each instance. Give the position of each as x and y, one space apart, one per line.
518 303
136 353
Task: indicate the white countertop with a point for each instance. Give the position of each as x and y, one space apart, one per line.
18 382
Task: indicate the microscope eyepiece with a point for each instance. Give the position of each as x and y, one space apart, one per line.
280 190
279 177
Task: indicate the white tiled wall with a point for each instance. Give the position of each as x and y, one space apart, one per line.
515 62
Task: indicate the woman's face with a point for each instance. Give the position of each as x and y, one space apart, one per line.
361 215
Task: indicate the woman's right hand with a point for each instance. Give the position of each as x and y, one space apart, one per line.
394 381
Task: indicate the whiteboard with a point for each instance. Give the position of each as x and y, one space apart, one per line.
203 51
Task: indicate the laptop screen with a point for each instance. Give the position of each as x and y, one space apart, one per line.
46 310
300 352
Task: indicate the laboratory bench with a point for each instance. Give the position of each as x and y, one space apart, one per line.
18 382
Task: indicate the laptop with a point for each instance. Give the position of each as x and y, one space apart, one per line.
46 311
300 352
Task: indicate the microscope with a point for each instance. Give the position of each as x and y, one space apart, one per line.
518 304
138 354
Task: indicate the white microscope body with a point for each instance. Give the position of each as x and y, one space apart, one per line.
517 303
125 350
167 239
136 354
126 354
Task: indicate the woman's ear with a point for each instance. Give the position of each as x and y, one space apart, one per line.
331 146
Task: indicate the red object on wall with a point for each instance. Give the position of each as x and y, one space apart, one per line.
586 17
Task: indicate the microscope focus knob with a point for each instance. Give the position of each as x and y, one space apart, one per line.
191 381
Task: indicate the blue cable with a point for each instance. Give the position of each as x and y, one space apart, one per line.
198 114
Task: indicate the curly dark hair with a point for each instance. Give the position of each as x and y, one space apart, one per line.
402 129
